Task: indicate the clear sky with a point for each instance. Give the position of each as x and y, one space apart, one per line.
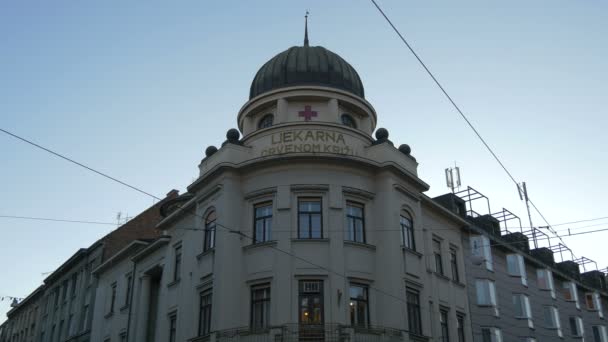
140 89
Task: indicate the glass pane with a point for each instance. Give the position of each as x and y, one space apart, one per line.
357 292
359 230
259 230
268 229
316 226
304 226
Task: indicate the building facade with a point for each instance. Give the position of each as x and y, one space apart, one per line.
62 308
304 227
519 293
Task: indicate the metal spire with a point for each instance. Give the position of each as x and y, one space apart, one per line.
306 29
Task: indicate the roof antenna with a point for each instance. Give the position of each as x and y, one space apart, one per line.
306 29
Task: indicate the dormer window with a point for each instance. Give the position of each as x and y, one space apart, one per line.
266 121
348 120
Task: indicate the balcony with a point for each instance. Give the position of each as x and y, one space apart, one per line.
310 333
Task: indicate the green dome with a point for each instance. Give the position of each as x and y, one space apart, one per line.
306 65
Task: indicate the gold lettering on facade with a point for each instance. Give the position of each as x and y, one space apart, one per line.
308 141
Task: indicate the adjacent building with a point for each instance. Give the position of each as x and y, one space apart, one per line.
62 308
517 291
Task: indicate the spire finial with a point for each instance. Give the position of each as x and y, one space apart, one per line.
306 29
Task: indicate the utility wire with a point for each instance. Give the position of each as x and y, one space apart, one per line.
55 220
77 163
458 110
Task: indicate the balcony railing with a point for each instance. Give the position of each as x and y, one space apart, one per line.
310 333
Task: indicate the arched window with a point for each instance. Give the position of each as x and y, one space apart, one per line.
266 121
209 231
348 120
407 231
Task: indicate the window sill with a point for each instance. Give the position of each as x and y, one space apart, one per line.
310 240
124 308
459 284
204 338
359 244
175 282
411 251
441 276
418 338
270 243
202 254
109 314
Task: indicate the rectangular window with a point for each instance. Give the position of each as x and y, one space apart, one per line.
545 280
123 337
522 308
570 292
551 317
129 281
73 287
172 327
311 302
516 267
491 335
460 326
481 248
204 313
437 256
443 321
262 222
359 305
177 267
414 319
70 328
56 294
593 301
65 291
355 222
112 297
310 224
454 264
486 292
407 232
576 326
210 225
260 307
599 333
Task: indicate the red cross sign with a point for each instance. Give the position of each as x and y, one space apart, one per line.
307 114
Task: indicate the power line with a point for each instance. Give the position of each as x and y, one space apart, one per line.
77 163
55 220
459 110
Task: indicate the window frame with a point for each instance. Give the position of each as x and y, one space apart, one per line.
113 292
354 319
173 327
516 267
408 239
454 264
351 124
128 289
262 122
265 305
267 228
353 229
444 324
438 256
460 324
414 321
205 312
177 263
481 247
210 230
491 292
310 214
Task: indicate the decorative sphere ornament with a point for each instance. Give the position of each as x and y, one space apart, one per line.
382 134
210 151
405 149
233 135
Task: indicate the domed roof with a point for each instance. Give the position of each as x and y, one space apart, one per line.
306 65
